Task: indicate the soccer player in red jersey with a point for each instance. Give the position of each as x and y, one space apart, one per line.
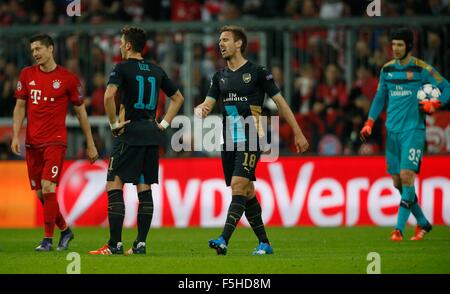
43 92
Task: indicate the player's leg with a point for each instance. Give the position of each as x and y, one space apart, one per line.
60 221
53 158
393 157
237 206
234 214
407 197
116 215
412 159
67 234
150 166
54 155
50 211
35 164
238 200
423 225
253 213
116 211
412 145
116 205
239 169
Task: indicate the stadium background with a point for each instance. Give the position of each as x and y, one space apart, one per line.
324 55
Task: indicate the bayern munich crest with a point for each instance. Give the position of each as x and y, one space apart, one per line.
19 86
56 84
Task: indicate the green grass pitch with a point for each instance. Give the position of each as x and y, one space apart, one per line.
185 251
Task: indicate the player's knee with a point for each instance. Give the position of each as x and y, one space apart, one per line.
407 177
145 196
117 184
250 190
48 187
239 187
397 182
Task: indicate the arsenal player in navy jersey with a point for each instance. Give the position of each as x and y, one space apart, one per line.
241 87
135 156
43 93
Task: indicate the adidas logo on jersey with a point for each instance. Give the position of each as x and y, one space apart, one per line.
32 83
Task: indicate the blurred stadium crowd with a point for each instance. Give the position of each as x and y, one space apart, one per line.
330 110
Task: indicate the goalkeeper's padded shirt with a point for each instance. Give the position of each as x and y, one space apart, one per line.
397 88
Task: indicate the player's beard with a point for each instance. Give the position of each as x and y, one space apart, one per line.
403 56
227 56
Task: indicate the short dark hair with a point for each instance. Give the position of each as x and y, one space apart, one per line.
238 33
135 36
45 39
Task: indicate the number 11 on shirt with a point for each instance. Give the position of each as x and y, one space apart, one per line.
152 103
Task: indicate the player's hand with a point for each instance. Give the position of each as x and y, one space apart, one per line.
118 130
202 111
91 152
264 146
301 144
15 146
429 106
366 131
160 127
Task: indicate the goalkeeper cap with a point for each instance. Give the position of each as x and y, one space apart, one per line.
406 35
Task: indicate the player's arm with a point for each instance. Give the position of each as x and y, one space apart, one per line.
176 101
375 109
18 117
19 111
433 77
203 109
266 81
81 114
301 144
110 108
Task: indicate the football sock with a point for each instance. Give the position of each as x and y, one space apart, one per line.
60 222
418 214
145 214
253 214
116 214
404 210
235 211
50 212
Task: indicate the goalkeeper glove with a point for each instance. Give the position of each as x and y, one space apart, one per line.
366 131
429 106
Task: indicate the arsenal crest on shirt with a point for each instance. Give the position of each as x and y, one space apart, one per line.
246 78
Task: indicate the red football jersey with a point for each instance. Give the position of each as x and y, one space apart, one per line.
47 95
